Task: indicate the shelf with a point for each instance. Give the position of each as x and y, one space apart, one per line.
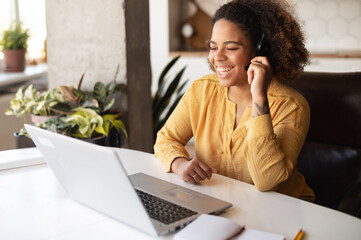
340 54
189 53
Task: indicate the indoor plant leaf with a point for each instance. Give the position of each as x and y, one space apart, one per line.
168 94
161 101
110 120
108 104
166 69
99 91
161 79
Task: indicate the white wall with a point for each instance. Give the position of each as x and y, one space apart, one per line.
85 36
331 25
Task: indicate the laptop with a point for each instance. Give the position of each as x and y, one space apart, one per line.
94 176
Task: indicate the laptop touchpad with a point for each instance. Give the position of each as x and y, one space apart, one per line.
180 195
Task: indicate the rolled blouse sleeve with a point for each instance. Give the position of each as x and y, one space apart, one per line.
274 141
176 132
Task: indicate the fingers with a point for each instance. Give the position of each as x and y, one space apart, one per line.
197 171
190 179
258 63
259 76
261 60
204 170
250 76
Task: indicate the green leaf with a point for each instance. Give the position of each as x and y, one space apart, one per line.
99 91
15 105
80 81
108 104
19 94
15 38
122 127
111 88
86 112
90 103
161 79
99 126
158 94
29 92
161 101
166 69
61 108
116 73
110 121
174 84
168 94
180 89
78 94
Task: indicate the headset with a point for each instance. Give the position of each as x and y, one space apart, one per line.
261 49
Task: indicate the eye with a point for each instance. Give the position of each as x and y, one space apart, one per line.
211 46
232 48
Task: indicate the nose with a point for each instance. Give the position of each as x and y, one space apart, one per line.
219 55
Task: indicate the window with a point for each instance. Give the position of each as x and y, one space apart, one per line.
32 15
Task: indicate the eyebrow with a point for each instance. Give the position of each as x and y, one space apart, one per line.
227 42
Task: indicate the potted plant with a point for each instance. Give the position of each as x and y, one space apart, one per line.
74 112
14 46
37 103
87 124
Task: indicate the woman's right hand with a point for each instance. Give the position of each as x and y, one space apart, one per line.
192 171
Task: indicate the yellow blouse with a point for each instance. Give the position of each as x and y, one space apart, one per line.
262 151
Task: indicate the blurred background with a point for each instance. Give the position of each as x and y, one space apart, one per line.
177 27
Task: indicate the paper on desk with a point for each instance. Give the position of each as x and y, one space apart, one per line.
208 227
212 227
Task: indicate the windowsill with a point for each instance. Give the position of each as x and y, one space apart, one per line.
23 157
30 72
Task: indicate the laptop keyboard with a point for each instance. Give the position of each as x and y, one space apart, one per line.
162 210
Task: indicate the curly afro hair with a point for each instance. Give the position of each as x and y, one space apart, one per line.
283 42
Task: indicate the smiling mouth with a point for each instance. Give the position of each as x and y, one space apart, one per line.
224 71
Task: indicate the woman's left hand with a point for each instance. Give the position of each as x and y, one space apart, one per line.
259 76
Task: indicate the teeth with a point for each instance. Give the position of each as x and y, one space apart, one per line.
224 69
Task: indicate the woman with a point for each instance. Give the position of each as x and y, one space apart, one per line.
246 123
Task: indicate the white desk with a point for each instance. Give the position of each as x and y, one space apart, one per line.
34 206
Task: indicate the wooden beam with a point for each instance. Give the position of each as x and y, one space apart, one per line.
138 75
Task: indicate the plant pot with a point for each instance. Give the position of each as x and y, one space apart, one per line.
23 141
14 60
114 139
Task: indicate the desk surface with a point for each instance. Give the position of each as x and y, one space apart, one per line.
34 206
